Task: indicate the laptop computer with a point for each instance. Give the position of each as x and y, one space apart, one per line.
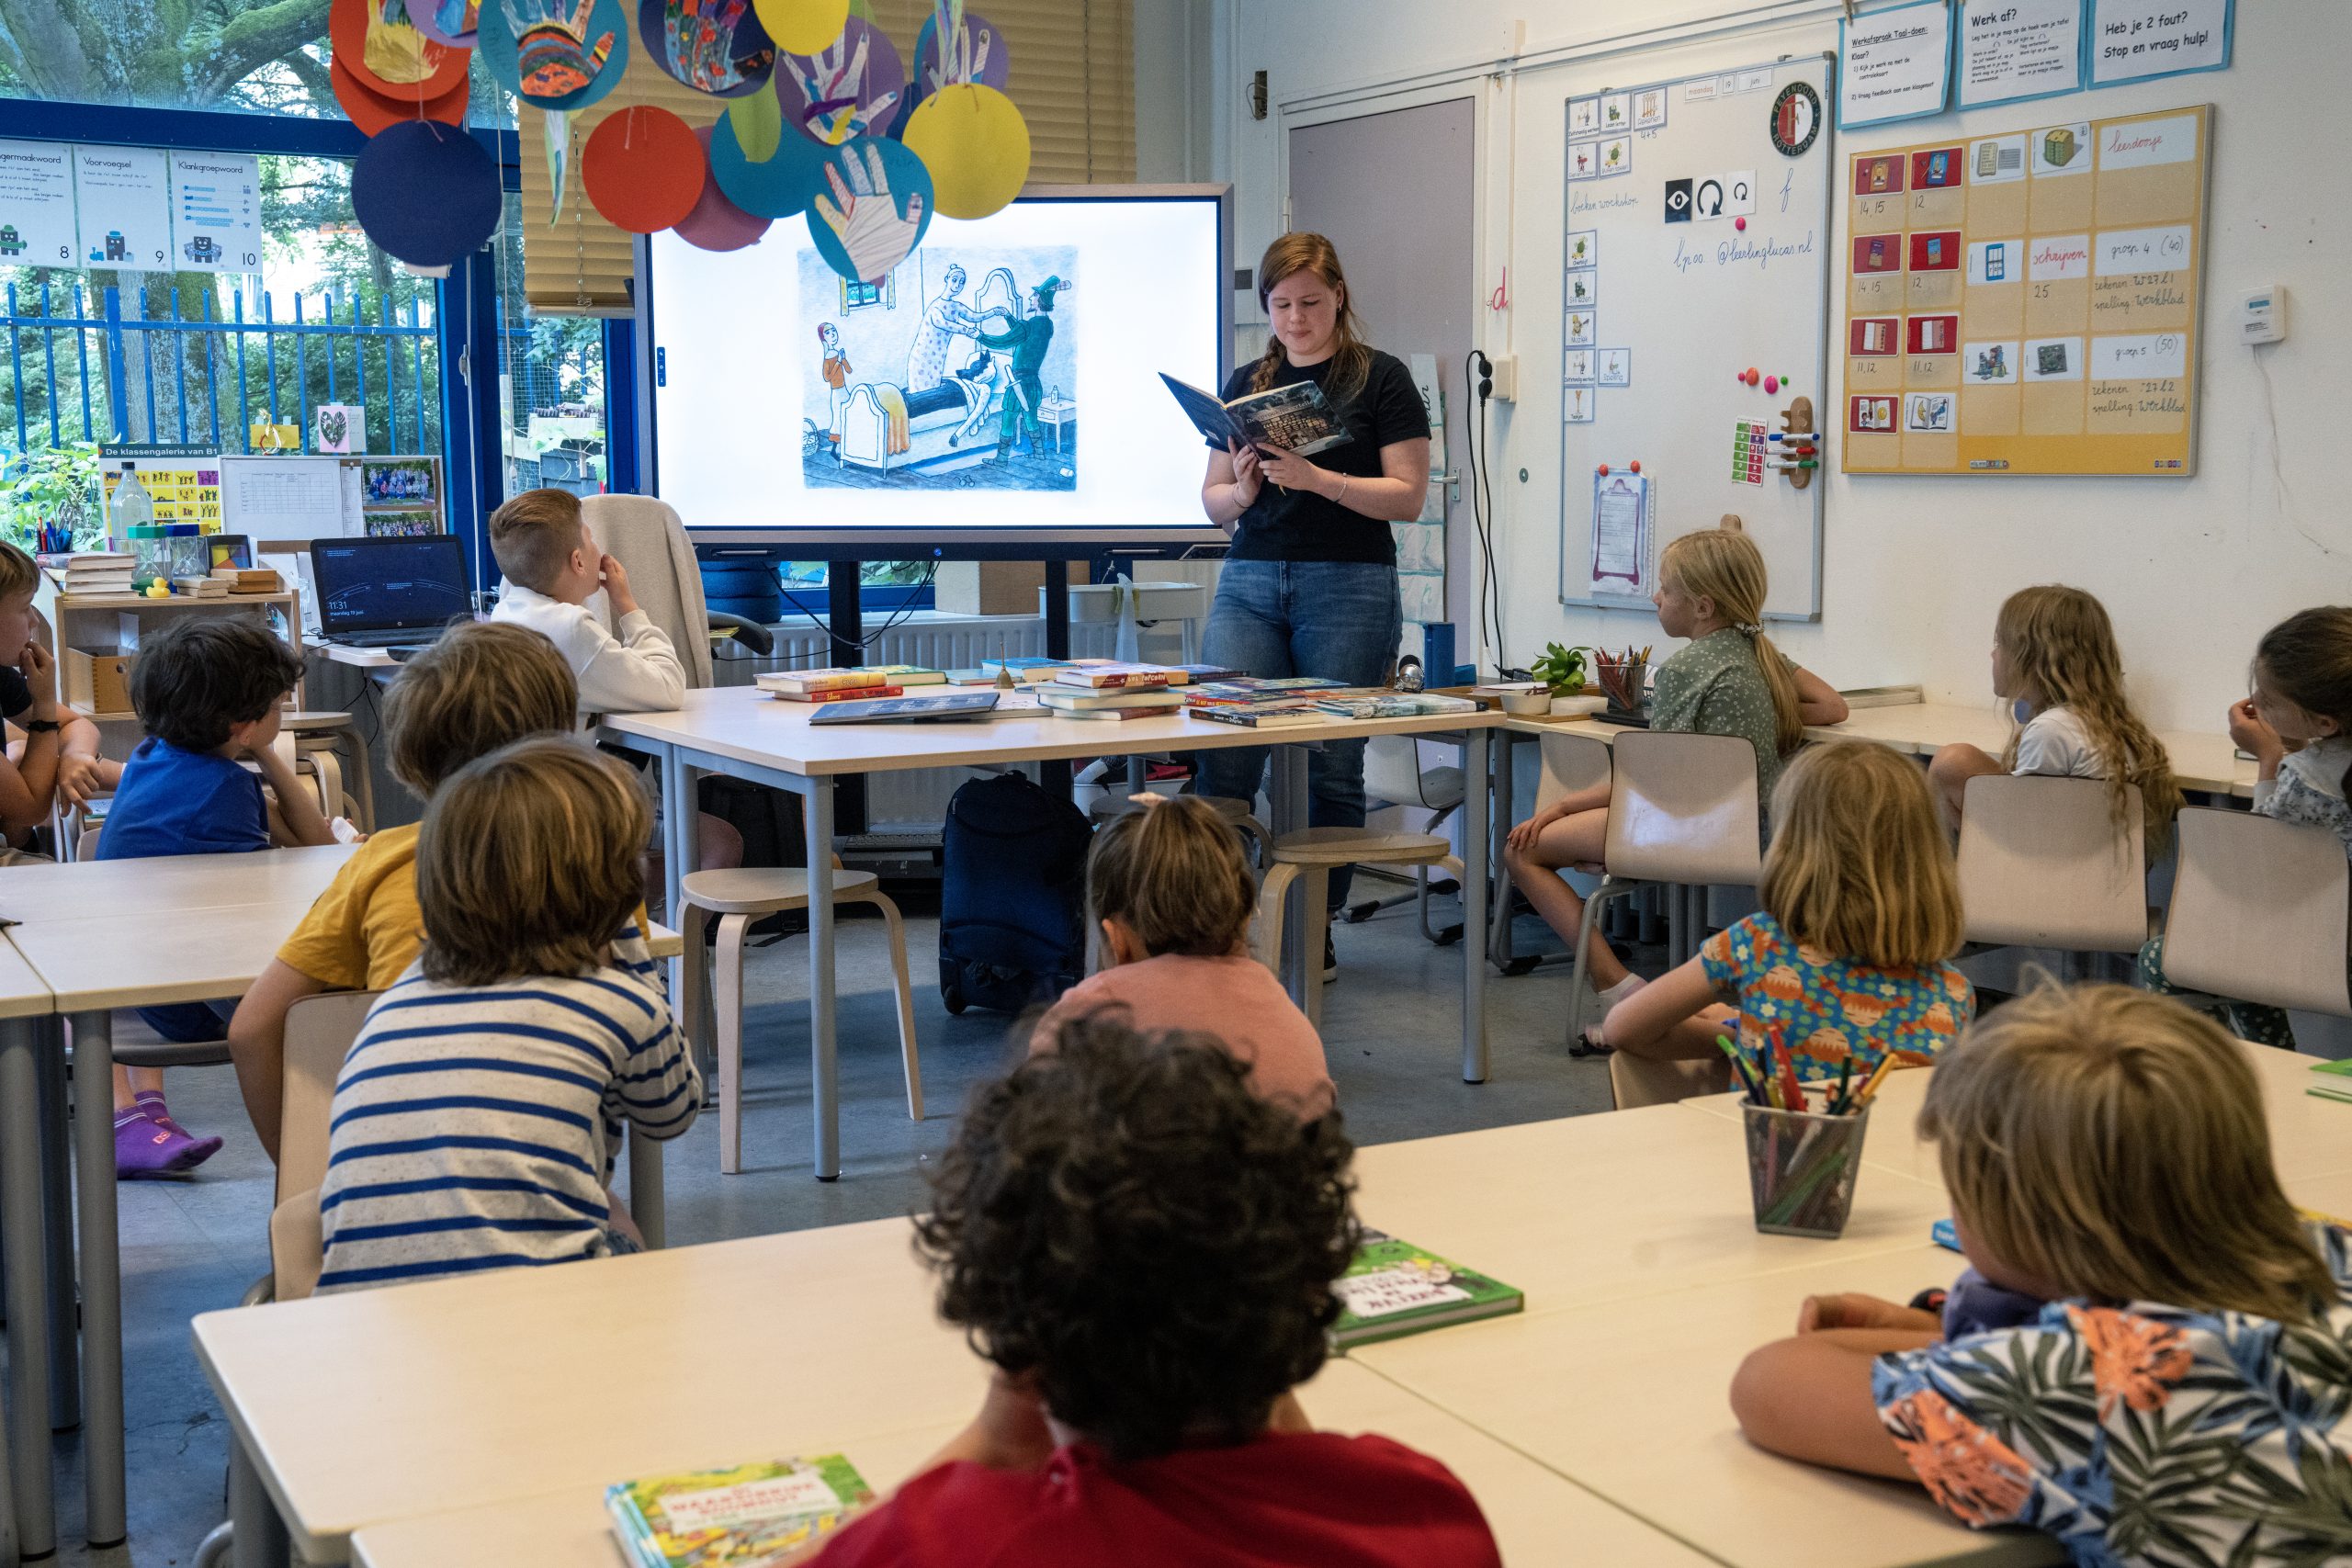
395 593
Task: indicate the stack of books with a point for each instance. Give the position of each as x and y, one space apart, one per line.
1097 673
903 675
1352 702
1104 690
92 571
250 578
825 685
200 587
1265 713
1028 671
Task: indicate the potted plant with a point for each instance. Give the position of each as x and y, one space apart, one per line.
1561 669
52 486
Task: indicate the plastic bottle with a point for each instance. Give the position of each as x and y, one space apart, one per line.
131 506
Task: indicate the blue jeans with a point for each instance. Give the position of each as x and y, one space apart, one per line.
1337 619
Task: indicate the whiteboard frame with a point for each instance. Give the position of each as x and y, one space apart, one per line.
1827 148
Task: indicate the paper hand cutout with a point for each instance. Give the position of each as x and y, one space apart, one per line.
701 39
552 50
865 220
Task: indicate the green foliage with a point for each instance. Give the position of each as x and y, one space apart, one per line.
52 484
1562 668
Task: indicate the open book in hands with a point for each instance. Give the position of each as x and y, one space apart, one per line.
1292 418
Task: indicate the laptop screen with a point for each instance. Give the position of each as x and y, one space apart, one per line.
390 584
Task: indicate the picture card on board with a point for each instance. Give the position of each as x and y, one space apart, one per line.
1894 65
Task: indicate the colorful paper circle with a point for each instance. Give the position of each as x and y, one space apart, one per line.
984 48
803 27
643 169
452 22
758 123
976 145
778 186
555 55
713 45
405 64
716 223
873 209
371 112
858 76
426 193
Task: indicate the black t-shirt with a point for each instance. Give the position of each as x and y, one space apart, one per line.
15 696
1301 526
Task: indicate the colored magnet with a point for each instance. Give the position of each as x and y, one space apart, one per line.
716 47
1750 377
777 187
1740 224
1772 383
392 58
450 22
984 59
1602 470
1635 465
716 223
803 27
426 193
643 169
371 112
555 55
976 145
851 87
875 204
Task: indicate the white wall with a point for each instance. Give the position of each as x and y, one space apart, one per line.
1914 569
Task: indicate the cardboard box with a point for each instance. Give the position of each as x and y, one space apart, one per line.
994 587
97 680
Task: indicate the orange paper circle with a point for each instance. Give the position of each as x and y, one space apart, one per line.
976 145
347 25
643 169
371 112
801 26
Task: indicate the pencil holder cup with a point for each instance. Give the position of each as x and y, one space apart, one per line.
1800 1168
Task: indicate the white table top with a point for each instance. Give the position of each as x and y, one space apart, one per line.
741 724
96 889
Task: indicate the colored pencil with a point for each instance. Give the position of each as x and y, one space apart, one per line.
1878 1076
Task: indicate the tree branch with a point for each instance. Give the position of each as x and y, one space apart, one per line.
247 42
314 77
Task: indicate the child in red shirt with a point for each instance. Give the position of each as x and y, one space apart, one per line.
1144 1248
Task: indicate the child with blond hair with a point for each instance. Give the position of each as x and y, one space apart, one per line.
2181 1395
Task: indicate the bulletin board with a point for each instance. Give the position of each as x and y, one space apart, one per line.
1696 248
2027 304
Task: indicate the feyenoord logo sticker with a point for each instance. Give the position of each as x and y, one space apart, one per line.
1796 119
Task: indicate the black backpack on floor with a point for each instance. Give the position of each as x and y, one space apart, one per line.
1012 896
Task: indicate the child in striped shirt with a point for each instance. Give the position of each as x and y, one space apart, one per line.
477 1118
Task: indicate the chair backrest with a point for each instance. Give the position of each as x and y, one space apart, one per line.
647 538
86 845
1568 764
1392 770
1683 808
2042 864
319 1033
2261 912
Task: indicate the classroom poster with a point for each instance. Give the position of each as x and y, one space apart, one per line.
2135 39
122 208
216 212
183 481
37 203
2020 48
1894 65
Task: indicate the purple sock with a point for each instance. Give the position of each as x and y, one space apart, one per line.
144 1148
151 1103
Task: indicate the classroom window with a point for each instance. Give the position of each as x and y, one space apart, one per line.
551 383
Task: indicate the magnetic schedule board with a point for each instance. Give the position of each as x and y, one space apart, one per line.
2027 304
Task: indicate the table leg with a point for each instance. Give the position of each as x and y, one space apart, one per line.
22 1233
677 834
1474 868
1286 794
258 1535
366 773
1505 785
101 1278
644 1189
57 1203
824 1075
1138 776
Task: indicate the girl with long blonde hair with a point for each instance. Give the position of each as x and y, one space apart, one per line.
1850 960
1310 585
1730 680
2054 657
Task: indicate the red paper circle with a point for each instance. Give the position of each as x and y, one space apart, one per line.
372 112
716 223
643 169
347 32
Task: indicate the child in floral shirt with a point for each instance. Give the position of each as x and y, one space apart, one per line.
2181 1399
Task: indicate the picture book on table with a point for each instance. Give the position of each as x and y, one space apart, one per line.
1394 1288
751 1515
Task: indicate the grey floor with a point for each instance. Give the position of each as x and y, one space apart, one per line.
1391 1025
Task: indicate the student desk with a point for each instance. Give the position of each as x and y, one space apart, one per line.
739 732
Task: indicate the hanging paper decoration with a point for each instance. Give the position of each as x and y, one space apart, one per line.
427 194
643 169
450 22
758 122
781 185
852 88
391 59
554 58
555 126
976 145
713 45
716 223
874 212
373 111
803 27
977 51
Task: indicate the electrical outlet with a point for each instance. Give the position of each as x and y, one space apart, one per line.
1505 377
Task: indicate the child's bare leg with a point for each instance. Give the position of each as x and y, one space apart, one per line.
130 1083
1951 769
1572 841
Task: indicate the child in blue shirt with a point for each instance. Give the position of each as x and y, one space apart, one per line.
208 692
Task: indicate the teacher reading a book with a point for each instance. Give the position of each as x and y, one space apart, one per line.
1310 586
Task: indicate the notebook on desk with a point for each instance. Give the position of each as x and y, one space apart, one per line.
397 593
949 706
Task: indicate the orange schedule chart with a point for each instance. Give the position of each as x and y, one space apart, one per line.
2027 304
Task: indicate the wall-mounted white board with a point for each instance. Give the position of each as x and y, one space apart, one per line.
1696 248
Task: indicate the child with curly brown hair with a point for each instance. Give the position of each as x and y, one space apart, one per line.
1145 1250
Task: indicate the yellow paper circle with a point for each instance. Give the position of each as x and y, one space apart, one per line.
976 145
801 26
757 121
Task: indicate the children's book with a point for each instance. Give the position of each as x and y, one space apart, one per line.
818 679
931 708
1294 417
1279 714
1196 673
1026 669
1129 676
1077 699
1113 715
753 1515
837 694
1394 1288
904 674
1391 704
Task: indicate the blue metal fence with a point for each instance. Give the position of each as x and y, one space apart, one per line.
80 369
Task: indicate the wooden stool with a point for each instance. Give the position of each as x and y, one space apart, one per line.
1312 854
316 736
739 897
1253 832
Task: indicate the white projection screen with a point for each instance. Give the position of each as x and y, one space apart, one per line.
1000 388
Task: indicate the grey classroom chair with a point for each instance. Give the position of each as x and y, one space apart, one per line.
2260 910
1393 775
648 539
2042 864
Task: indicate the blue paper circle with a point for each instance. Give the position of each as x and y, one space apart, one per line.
746 57
778 189
557 64
995 72
427 193
908 183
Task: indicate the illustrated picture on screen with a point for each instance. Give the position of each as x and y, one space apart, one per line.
958 371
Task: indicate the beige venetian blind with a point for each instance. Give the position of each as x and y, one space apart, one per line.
1073 75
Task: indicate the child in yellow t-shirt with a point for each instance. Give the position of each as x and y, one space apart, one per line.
481 686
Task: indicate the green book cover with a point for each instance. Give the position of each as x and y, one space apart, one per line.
2342 1068
744 1516
1394 1288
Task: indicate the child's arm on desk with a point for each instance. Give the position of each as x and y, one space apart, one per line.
1675 1018
1809 1398
295 819
1818 700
